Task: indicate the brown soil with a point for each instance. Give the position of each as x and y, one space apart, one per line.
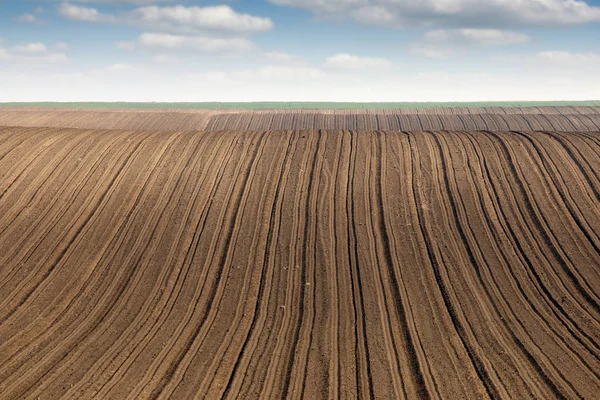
407 122
583 119
315 264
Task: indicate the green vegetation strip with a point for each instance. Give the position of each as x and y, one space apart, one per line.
313 105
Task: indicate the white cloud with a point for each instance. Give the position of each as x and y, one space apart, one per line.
263 76
443 43
562 65
164 59
28 18
200 18
177 19
127 46
120 68
207 44
487 37
470 13
437 52
289 73
30 48
132 2
562 62
295 84
282 57
374 15
87 14
31 53
569 59
351 62
62 46
322 6
38 10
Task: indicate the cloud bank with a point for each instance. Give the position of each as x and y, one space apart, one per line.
33 54
352 62
176 19
453 13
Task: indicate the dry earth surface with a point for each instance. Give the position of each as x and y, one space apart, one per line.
563 118
176 263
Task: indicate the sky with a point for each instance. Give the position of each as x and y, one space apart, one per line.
299 50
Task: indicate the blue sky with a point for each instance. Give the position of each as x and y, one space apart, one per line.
299 50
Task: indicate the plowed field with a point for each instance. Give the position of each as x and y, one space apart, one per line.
586 119
314 264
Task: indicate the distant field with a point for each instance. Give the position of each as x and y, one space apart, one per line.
319 105
572 118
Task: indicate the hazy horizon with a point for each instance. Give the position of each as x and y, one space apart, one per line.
297 105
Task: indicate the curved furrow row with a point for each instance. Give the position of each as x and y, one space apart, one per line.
523 241
111 297
44 329
423 382
219 289
75 185
303 335
577 154
94 206
25 161
543 305
302 263
213 263
494 312
494 288
540 227
13 140
36 190
534 222
78 287
448 359
17 216
584 212
395 363
250 367
245 354
362 347
252 287
154 313
486 372
281 354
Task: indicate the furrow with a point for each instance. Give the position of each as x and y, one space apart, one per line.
541 225
232 224
493 387
167 292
